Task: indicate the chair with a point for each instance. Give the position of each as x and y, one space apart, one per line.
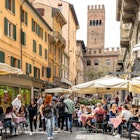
98 124
134 128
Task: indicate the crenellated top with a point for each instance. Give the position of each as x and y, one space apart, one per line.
96 7
99 51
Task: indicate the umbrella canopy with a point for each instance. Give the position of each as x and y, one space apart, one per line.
7 69
135 85
56 90
102 85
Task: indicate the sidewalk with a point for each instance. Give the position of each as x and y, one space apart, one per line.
75 135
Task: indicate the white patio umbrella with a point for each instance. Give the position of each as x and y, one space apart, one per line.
7 69
135 85
57 90
102 85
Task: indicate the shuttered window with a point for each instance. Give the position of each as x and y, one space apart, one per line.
2 57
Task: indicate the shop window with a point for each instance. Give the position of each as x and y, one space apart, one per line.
88 62
2 57
24 17
108 62
96 63
10 5
9 29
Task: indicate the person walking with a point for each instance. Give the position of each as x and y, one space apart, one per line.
32 115
47 111
71 109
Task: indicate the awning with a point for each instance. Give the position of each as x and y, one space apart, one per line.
7 69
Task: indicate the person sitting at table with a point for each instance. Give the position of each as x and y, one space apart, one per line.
98 111
81 111
10 115
113 111
125 116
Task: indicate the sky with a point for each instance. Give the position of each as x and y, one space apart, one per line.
112 27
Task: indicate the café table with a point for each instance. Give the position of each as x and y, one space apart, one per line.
85 117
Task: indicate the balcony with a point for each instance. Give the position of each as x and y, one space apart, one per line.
59 38
129 11
126 30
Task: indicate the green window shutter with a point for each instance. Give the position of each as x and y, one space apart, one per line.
25 39
12 61
26 18
5 26
45 53
33 25
40 50
21 37
27 69
35 70
34 46
19 63
6 4
30 67
14 31
13 6
38 73
2 57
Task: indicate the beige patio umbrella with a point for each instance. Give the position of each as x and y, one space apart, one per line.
134 85
57 90
105 84
7 69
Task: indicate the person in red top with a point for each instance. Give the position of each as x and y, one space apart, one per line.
98 111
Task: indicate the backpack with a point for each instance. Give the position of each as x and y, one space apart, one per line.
47 111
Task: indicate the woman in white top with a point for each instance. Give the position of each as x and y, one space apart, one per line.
125 115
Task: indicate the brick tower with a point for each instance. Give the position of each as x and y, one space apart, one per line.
95 26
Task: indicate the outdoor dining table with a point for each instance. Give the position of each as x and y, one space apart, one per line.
85 117
116 121
19 120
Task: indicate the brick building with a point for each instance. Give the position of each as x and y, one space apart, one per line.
98 60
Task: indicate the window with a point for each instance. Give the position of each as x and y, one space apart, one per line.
108 62
96 62
46 54
36 72
9 29
23 38
24 17
10 5
93 22
96 22
2 57
15 62
45 37
28 69
40 50
34 46
41 32
88 62
90 22
100 22
43 70
100 50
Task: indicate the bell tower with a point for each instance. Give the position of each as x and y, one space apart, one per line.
96 26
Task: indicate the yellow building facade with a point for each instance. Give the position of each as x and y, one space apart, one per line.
23 44
57 42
